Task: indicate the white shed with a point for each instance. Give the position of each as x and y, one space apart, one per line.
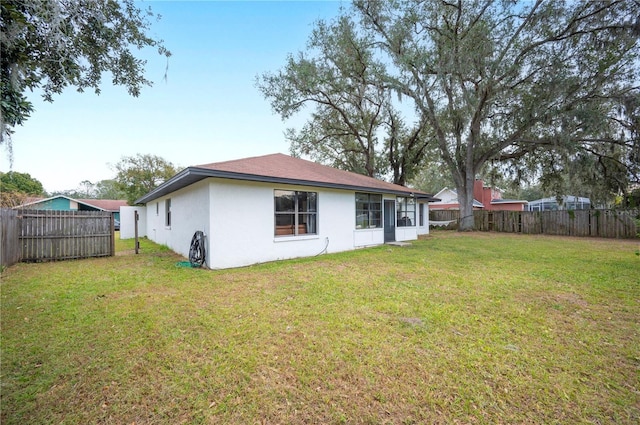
277 207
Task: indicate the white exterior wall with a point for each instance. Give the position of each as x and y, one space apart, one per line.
238 219
189 213
242 224
406 233
424 229
446 196
127 222
367 237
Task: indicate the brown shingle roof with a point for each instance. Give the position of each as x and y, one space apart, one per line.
105 204
286 167
281 169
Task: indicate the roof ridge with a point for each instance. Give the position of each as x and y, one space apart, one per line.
310 163
230 161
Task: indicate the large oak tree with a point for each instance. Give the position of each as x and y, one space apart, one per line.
535 84
354 124
534 88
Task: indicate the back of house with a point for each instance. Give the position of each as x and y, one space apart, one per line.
277 207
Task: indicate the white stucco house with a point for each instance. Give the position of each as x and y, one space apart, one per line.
276 207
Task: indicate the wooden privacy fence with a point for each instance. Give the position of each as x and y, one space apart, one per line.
595 223
10 250
44 235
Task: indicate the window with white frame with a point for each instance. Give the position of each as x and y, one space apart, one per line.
167 212
406 211
296 213
368 211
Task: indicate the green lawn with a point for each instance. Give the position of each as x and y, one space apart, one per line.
457 328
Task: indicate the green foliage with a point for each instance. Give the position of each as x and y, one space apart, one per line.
109 189
532 85
530 193
16 187
630 199
432 177
20 182
49 45
86 190
103 189
138 175
354 124
541 88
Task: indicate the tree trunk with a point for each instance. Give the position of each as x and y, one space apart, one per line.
465 200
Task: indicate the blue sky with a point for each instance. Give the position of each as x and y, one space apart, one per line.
207 110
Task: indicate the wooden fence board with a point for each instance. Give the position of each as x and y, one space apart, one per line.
10 252
581 223
47 235
61 235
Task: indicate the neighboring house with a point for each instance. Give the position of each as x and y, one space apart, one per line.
277 207
485 198
562 203
449 201
65 203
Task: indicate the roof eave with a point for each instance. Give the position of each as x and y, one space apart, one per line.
91 205
428 198
192 175
41 201
183 179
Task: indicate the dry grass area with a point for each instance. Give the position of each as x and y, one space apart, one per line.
456 328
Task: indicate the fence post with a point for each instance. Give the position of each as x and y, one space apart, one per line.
112 238
136 217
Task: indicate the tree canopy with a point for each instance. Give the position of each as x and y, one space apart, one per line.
533 85
20 182
539 89
15 187
137 175
108 189
354 124
49 45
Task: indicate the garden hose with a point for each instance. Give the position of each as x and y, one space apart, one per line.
197 253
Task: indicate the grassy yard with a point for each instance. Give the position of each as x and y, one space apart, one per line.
457 328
